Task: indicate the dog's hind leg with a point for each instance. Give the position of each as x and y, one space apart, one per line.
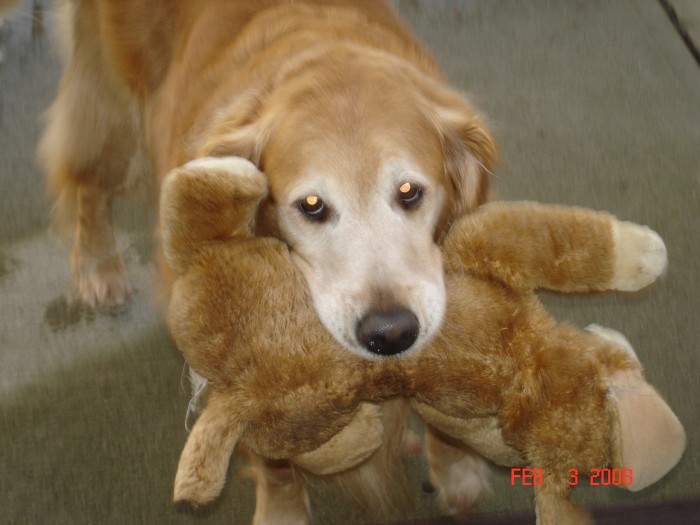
280 494
91 137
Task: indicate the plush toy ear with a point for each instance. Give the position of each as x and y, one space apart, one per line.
650 439
207 199
348 448
201 473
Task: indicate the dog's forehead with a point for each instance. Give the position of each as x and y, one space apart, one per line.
357 184
353 148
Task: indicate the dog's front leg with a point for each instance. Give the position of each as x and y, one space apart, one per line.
458 474
98 268
280 495
90 150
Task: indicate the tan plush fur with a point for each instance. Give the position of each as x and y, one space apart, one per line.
501 378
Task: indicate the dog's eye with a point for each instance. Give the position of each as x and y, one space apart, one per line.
410 195
313 208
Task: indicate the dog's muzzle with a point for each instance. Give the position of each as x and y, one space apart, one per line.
388 332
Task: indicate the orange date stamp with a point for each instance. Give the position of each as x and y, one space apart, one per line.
597 477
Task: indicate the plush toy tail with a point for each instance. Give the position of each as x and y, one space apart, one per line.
195 210
529 245
201 473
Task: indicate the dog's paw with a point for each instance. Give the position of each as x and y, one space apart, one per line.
101 281
460 484
458 475
640 256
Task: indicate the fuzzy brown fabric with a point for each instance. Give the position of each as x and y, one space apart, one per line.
501 377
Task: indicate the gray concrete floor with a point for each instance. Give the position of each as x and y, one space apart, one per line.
594 103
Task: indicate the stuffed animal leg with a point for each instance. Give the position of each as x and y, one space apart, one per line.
645 440
201 472
349 447
508 381
579 404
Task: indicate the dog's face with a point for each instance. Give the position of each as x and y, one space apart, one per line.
362 231
363 183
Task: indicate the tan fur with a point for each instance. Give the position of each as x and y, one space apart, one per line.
151 85
330 88
299 88
501 378
280 495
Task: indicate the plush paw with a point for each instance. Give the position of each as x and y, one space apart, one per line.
640 256
101 281
237 167
206 199
614 337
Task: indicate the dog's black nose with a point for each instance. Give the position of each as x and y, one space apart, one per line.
388 332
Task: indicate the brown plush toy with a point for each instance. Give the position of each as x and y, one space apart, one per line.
502 377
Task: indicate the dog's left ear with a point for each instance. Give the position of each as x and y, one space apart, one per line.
469 151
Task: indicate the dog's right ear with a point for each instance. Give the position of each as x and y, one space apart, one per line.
207 199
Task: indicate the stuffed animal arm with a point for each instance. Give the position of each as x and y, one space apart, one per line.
205 201
527 246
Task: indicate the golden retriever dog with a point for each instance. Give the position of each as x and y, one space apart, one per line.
368 153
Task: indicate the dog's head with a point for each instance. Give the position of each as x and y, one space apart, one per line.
365 175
